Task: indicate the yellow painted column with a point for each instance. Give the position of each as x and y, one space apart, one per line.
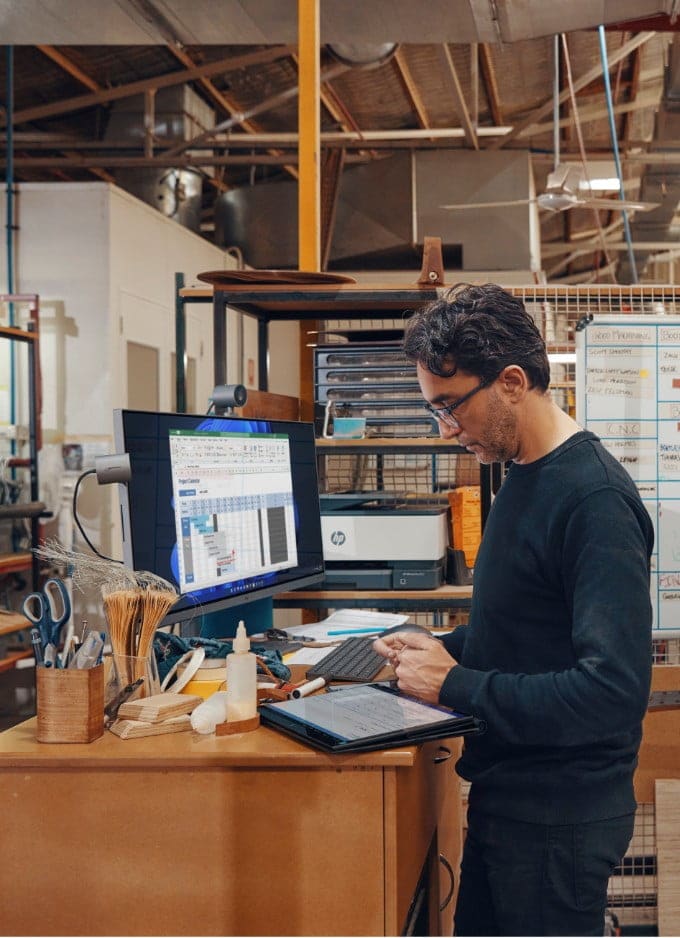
309 126
309 178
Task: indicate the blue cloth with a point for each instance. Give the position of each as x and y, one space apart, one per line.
168 649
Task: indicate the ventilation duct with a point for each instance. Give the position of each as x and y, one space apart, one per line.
387 207
178 115
269 22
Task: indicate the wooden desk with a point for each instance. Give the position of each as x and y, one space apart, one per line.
198 835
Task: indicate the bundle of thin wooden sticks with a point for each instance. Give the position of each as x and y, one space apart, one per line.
133 614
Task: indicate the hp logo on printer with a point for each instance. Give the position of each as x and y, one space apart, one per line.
338 538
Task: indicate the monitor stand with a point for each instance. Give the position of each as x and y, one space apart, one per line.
257 615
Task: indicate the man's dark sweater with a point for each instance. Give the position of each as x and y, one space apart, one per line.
557 654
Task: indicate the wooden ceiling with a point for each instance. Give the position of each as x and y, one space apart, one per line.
65 99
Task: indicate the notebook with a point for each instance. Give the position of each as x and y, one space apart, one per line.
365 717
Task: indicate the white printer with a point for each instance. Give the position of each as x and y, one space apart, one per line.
373 544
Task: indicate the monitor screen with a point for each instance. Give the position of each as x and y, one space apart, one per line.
226 508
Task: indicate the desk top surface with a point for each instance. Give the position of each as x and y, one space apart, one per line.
261 748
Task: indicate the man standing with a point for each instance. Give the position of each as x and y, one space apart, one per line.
556 657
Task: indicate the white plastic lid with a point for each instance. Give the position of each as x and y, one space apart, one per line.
241 643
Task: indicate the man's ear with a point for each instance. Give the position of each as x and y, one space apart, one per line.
513 383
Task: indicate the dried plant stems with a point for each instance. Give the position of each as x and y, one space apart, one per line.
133 616
155 603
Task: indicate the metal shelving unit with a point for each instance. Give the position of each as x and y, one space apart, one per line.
31 510
389 463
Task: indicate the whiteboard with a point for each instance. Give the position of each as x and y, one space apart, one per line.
628 393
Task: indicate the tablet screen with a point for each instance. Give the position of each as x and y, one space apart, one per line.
370 710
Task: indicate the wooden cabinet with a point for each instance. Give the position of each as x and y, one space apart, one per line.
244 835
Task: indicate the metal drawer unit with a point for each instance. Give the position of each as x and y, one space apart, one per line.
372 380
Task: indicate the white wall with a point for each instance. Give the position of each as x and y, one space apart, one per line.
145 252
103 264
61 255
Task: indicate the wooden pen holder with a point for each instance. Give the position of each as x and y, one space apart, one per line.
70 704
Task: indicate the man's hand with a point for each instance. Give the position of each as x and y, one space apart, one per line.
421 663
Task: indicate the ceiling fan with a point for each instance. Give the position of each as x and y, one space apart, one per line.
567 187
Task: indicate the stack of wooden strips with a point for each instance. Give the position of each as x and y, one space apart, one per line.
156 715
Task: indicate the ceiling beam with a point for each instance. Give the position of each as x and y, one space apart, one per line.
160 161
410 87
223 101
557 248
594 113
337 108
167 80
459 98
581 82
70 67
589 275
490 84
267 105
376 139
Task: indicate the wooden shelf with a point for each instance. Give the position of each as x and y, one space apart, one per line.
13 563
8 663
443 598
400 444
22 510
21 335
12 622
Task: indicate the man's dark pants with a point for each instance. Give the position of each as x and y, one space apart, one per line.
530 879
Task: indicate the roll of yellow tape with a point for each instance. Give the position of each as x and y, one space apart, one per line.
203 689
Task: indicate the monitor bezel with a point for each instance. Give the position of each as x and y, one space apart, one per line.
187 613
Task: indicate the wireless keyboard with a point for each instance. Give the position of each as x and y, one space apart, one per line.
353 660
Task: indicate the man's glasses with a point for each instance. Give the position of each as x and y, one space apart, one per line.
445 414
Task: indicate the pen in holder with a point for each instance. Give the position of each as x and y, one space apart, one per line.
70 704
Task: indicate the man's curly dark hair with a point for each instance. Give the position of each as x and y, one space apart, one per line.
479 330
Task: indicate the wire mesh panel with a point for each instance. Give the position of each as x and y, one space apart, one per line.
404 474
556 310
632 892
666 651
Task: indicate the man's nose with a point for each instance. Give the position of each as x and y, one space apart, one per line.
448 432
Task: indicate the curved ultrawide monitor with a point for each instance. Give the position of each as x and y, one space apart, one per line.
226 508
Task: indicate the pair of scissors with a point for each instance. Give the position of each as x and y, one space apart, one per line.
48 610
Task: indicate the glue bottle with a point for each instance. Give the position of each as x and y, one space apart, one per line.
241 678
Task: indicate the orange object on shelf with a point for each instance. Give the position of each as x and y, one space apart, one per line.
466 520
